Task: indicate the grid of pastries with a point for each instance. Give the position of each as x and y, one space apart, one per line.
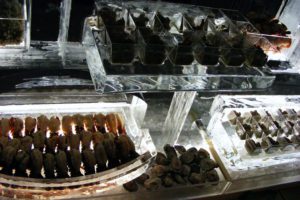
267 131
61 147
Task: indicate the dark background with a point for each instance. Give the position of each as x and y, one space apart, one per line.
45 14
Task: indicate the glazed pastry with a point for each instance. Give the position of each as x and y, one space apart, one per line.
255 56
233 117
284 142
269 145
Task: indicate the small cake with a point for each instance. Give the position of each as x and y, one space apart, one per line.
255 115
252 147
284 141
243 130
269 145
233 117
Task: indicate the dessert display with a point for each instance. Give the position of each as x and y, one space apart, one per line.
137 46
256 136
177 166
70 146
12 26
267 131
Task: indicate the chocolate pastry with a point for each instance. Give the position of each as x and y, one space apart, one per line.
89 161
152 183
168 181
49 165
78 122
153 51
141 20
42 123
196 178
11 31
99 151
4 139
232 56
255 115
179 179
170 151
186 170
176 165
233 117
208 164
100 121
122 45
159 170
243 131
255 56
182 54
187 157
9 154
252 147
141 179
125 148
212 176
30 124
180 149
269 145
232 53
165 21
284 141
208 52
37 164
296 139
110 149
131 186
269 126
61 164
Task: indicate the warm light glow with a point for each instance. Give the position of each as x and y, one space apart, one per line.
106 127
60 131
10 135
84 127
23 130
73 128
80 146
91 146
48 133
276 55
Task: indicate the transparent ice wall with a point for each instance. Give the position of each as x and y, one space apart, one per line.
291 18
